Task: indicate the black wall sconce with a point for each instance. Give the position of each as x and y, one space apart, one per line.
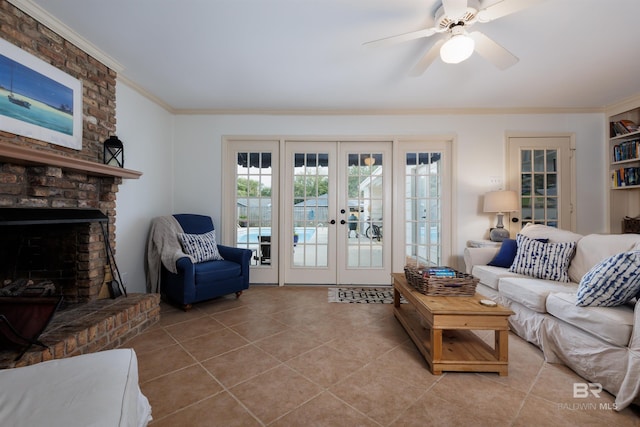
113 152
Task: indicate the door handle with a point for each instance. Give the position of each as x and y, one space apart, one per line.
333 221
514 220
343 222
342 211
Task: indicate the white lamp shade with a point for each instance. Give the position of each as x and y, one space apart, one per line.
501 201
457 49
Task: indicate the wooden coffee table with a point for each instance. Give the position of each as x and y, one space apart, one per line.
441 327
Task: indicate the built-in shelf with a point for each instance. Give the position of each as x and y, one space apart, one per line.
623 175
626 136
626 187
29 156
622 162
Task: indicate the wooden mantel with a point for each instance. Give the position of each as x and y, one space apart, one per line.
28 156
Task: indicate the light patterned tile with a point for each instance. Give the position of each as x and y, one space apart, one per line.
179 389
275 393
240 365
221 410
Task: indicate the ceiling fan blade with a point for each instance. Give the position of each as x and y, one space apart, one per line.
504 8
427 32
492 51
427 59
454 9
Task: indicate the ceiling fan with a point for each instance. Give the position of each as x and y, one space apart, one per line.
452 20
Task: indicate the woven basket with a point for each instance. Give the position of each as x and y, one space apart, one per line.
463 285
413 274
631 225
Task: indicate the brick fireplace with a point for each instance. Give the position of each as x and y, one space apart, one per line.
51 219
37 175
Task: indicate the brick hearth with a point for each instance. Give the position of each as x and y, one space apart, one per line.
89 327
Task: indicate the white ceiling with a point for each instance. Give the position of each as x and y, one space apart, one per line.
292 55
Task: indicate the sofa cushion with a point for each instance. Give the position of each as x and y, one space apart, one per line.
215 271
611 324
593 248
614 281
532 293
543 260
555 235
202 247
490 275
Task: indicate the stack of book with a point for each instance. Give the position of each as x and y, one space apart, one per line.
627 150
625 177
623 127
439 272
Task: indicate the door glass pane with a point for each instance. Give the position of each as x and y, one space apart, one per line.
539 186
538 160
423 216
365 210
551 160
525 163
309 247
253 202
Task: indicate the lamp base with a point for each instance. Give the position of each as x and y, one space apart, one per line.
499 234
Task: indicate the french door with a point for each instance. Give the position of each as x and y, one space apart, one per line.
541 171
337 198
337 212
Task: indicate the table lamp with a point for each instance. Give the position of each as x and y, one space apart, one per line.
500 201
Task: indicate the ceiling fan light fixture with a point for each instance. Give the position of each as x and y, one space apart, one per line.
458 48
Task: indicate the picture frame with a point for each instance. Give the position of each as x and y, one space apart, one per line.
38 100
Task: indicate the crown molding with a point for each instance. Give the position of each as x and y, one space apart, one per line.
403 112
45 18
626 104
151 97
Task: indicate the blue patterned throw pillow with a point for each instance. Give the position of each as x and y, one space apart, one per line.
614 281
543 260
202 247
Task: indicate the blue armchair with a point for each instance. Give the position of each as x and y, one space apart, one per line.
208 279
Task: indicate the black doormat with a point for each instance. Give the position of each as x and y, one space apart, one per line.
363 295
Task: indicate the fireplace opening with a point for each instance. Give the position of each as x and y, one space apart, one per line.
63 248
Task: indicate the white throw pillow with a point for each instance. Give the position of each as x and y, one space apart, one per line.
202 247
543 260
614 281
594 248
555 235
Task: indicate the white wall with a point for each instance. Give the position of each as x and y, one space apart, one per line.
146 131
480 153
180 157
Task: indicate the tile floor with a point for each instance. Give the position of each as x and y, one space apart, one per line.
287 357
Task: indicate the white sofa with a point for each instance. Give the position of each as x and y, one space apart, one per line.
601 344
95 389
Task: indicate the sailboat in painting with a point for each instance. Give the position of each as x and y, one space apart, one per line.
13 99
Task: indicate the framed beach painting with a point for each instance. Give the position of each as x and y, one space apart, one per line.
38 100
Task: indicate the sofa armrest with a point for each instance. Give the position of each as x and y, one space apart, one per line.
478 256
